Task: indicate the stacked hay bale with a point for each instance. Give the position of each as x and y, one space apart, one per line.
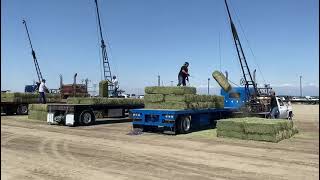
106 101
28 97
179 98
38 111
258 129
103 88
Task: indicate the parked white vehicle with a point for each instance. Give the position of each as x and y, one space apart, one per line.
285 110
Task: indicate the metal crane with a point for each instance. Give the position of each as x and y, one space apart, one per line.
248 80
33 54
105 60
259 97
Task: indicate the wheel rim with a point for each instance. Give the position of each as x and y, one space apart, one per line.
24 109
186 124
87 118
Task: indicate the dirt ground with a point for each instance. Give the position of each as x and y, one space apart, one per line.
32 149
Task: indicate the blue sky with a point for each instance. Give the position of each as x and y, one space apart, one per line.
150 37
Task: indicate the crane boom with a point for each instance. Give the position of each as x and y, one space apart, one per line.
248 80
33 54
105 59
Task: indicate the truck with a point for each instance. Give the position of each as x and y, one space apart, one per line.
187 120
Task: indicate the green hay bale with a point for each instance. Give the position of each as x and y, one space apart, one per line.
103 88
167 105
73 100
266 126
37 115
266 137
222 81
219 101
201 105
153 98
174 98
231 134
230 125
38 107
170 90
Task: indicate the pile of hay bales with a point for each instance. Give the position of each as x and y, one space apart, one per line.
162 97
28 97
38 111
258 129
106 101
103 88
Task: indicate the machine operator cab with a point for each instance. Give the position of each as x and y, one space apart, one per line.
237 98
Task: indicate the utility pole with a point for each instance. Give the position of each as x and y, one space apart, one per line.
158 80
300 87
208 85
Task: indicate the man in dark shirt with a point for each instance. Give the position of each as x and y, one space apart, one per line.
274 106
183 75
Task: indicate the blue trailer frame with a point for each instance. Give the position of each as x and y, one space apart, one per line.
173 121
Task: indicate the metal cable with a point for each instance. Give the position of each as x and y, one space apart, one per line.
254 57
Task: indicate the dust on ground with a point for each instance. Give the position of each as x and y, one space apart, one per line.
32 149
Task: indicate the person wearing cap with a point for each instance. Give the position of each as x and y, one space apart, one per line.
183 75
42 90
274 106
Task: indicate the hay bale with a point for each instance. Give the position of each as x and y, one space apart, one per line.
153 98
233 124
37 115
38 107
105 101
103 88
167 105
170 90
231 134
174 98
276 137
201 105
222 81
219 102
266 126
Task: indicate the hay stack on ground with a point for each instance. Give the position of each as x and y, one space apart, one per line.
258 129
179 98
28 97
38 111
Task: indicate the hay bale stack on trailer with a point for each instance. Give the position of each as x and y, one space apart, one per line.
18 102
257 129
179 98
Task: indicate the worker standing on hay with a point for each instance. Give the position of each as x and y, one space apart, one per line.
42 90
115 84
183 75
274 106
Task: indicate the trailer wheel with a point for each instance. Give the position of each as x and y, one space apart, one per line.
184 124
87 118
22 109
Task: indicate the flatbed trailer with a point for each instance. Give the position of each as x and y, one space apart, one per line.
177 121
82 114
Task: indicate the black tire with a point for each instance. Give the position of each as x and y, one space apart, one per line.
290 116
22 109
184 124
87 118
